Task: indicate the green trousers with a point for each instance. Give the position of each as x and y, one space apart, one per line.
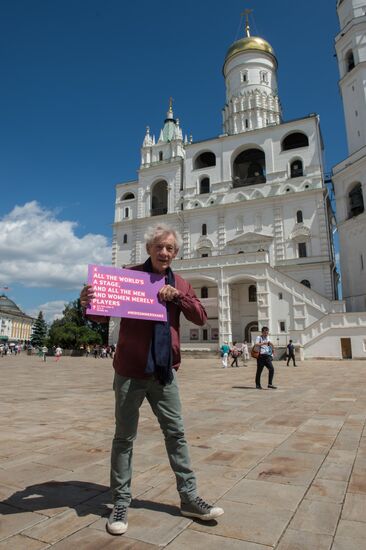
165 404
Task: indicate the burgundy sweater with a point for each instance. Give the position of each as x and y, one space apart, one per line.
135 334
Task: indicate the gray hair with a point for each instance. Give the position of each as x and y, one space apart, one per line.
159 230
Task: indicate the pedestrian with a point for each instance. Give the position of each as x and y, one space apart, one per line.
235 353
44 353
87 351
291 353
224 352
58 353
95 351
113 349
265 348
145 363
245 351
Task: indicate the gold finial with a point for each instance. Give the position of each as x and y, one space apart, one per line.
170 105
247 12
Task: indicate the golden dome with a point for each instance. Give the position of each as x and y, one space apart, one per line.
247 44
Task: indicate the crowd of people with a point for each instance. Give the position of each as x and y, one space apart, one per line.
234 352
11 349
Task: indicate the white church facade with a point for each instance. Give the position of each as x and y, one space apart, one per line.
253 209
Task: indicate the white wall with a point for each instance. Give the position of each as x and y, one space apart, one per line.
329 345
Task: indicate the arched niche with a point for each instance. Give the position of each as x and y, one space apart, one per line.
249 168
159 198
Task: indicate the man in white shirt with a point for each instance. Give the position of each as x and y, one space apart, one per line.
265 348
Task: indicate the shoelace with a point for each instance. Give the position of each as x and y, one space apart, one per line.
119 513
202 504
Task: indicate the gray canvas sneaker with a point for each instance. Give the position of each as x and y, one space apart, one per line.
198 508
117 522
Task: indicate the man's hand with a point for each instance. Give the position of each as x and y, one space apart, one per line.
168 293
86 296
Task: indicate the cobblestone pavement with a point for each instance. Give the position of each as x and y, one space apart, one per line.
287 465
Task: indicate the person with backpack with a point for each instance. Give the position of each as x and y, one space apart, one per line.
235 354
265 348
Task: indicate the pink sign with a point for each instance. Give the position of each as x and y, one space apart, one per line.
126 293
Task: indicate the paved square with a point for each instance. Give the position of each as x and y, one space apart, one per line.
288 465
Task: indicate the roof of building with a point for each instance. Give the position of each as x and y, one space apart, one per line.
10 307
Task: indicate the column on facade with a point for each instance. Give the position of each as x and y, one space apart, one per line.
263 303
223 289
221 232
324 247
137 250
114 249
186 239
278 234
144 203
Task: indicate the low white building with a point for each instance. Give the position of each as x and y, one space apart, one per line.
254 212
15 326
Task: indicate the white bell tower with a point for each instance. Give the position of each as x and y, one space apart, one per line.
349 176
250 72
351 53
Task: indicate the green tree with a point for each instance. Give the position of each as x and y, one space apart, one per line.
74 330
39 332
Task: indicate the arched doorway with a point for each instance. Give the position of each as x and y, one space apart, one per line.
251 327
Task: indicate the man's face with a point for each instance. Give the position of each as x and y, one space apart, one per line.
265 333
162 252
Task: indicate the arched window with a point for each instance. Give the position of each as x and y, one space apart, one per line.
252 293
159 198
204 229
350 61
294 141
125 238
305 282
296 169
127 212
356 204
204 292
299 216
127 197
249 168
160 155
205 160
204 186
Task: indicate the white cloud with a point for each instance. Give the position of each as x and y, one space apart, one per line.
51 310
38 250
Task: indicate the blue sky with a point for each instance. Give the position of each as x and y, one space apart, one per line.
79 82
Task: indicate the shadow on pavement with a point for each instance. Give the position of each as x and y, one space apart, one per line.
56 494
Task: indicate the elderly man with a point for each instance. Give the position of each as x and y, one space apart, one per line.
145 363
